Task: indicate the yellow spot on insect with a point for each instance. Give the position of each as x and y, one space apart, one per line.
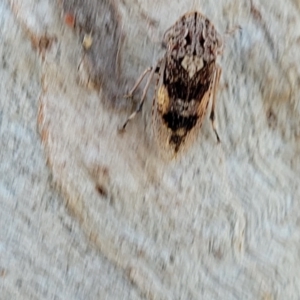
192 64
162 99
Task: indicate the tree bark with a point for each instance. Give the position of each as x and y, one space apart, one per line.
89 213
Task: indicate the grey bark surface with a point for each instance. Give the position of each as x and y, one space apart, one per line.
87 213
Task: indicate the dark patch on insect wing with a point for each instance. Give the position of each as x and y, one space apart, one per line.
175 121
180 86
175 79
201 82
180 127
176 140
212 114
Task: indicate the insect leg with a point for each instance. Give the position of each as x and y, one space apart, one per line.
214 92
153 70
138 82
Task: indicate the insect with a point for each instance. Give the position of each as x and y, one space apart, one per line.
188 75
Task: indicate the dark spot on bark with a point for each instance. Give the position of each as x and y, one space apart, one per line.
101 190
271 119
172 259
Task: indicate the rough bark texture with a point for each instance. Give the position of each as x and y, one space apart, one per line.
220 222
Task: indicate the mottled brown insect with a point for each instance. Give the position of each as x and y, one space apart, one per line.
188 77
